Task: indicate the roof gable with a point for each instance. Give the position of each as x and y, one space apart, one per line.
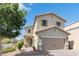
53 28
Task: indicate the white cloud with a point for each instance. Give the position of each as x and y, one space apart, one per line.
30 4
28 9
21 7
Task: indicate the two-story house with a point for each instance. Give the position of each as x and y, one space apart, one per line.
47 33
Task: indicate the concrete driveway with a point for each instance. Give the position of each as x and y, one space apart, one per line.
29 52
64 52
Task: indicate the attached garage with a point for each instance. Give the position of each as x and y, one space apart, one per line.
53 43
52 38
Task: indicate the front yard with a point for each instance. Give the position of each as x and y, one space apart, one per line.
17 52
29 52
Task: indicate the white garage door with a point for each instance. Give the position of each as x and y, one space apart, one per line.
53 43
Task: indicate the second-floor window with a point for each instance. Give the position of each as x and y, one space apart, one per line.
28 30
58 24
44 23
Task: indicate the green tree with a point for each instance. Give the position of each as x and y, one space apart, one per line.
11 21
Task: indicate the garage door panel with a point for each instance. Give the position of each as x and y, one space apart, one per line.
51 44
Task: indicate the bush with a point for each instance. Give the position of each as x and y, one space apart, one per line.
8 49
19 44
22 43
6 40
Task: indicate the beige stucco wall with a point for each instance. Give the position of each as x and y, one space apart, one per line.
51 32
56 19
74 37
34 34
26 31
73 29
51 21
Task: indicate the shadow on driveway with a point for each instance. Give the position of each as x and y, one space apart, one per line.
31 53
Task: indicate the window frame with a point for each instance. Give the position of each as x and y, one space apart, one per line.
44 23
58 24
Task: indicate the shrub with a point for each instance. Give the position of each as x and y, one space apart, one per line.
22 43
19 44
8 49
6 40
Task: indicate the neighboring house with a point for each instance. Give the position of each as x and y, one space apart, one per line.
47 33
73 29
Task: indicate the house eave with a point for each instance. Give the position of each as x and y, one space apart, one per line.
51 28
51 37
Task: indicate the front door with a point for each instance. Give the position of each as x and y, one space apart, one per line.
29 42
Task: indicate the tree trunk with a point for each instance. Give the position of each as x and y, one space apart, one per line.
0 46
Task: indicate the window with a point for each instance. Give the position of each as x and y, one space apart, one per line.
28 30
58 23
44 23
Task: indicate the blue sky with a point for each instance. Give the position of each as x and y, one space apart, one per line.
70 12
